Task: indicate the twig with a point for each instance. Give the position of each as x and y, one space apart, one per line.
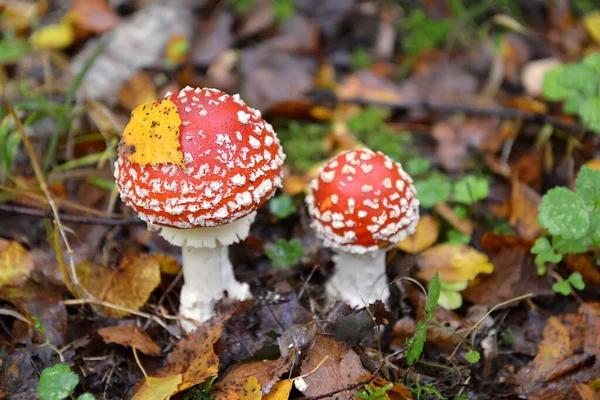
14 314
77 219
137 360
498 112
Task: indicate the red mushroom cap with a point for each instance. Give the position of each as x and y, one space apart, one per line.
363 201
232 164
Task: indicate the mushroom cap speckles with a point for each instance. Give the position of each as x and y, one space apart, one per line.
233 164
363 201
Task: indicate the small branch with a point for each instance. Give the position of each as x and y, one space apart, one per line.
76 219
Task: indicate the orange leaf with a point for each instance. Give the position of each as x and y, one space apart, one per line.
424 237
130 336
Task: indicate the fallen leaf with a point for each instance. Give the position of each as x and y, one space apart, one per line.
524 203
453 262
15 263
341 369
532 75
266 372
251 390
194 356
585 265
93 16
591 21
280 391
168 265
157 388
396 392
424 237
177 49
365 85
128 286
152 134
130 336
55 36
139 89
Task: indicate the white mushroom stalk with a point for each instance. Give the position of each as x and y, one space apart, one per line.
361 205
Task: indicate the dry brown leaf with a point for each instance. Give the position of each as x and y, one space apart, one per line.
424 237
585 265
341 369
128 286
139 89
524 202
157 388
194 356
397 392
266 373
130 336
453 262
368 86
93 16
15 263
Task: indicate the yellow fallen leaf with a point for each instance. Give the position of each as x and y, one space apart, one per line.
281 390
157 388
594 164
54 37
453 262
15 263
591 21
424 237
168 265
128 286
251 390
152 134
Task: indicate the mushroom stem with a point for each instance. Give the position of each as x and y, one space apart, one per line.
359 279
207 274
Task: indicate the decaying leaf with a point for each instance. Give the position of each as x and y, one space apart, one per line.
424 237
341 369
194 356
585 265
128 286
523 205
251 390
266 372
15 263
152 134
453 262
130 336
157 388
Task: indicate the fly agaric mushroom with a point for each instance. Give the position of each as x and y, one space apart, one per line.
361 204
197 165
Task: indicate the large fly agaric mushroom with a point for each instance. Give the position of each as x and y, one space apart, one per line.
197 165
362 204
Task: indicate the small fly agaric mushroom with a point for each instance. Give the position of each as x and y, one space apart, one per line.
197 165
362 204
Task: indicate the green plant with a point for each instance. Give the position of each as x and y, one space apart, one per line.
472 356
577 85
285 253
437 188
417 342
419 392
303 144
564 287
201 391
360 59
507 337
368 393
58 382
423 33
572 220
282 206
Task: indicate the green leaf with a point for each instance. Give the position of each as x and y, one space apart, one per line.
417 166
12 50
507 336
457 237
37 325
416 343
571 246
57 382
433 190
587 186
593 60
562 287
545 253
471 189
433 295
580 77
573 104
576 280
553 89
450 299
285 253
282 206
472 356
431 390
361 59
86 396
594 229
589 112
563 213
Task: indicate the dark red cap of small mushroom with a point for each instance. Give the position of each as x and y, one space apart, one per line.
363 201
231 163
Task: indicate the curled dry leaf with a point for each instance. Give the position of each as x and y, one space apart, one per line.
157 388
130 336
424 237
15 263
128 286
342 369
194 356
453 262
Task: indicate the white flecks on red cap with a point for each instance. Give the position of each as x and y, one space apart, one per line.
233 164
363 201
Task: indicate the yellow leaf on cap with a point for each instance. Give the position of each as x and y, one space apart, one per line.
152 134
453 262
426 234
157 388
15 263
592 24
251 390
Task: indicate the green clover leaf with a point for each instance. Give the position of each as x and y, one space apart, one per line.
57 382
472 356
576 280
471 189
433 190
285 253
587 186
282 206
563 213
562 287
